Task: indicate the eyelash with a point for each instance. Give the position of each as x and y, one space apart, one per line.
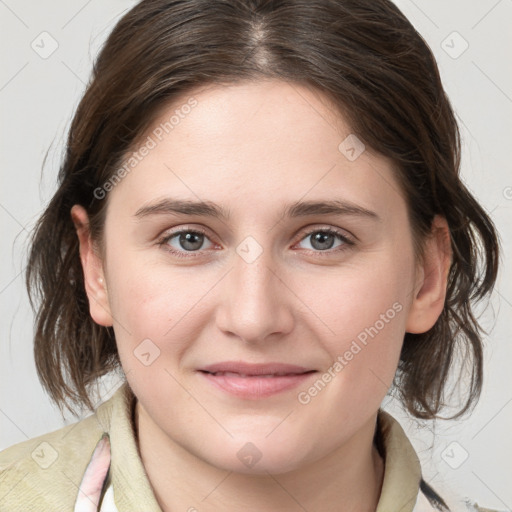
347 243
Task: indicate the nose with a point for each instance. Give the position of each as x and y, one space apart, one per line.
255 302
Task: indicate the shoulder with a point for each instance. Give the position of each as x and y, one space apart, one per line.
45 472
403 475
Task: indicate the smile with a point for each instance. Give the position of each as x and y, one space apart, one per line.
255 387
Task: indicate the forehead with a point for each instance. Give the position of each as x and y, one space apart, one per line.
254 142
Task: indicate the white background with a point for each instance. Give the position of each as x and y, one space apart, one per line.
37 100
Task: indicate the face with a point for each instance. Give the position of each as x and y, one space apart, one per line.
262 274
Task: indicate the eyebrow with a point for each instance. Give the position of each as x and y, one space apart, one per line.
169 206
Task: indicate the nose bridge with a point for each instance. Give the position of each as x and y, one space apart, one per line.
255 303
252 269
253 280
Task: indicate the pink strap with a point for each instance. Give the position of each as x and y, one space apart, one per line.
89 492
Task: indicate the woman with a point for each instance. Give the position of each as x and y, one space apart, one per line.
260 220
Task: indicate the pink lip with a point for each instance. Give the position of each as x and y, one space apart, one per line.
251 383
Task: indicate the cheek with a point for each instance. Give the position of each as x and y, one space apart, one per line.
157 303
362 295
145 293
365 310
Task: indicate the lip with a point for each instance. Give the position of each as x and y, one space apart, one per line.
255 381
251 369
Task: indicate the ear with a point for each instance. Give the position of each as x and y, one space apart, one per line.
92 265
431 279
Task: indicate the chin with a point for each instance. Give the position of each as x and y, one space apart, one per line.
257 458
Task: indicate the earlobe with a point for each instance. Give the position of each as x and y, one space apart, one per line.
429 292
92 266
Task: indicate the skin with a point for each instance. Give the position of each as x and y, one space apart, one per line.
252 148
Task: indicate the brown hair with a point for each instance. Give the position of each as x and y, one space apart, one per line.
364 55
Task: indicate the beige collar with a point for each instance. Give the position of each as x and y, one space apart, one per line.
132 490
402 469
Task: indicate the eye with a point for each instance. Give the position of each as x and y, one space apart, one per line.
322 240
184 241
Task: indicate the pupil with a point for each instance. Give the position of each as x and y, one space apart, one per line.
319 240
191 241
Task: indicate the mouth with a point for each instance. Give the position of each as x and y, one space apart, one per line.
253 382
255 370
244 375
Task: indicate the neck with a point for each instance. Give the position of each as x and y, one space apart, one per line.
348 479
